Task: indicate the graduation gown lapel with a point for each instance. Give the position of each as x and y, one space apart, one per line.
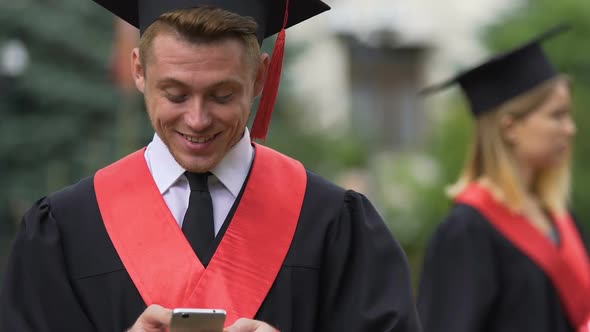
566 265
158 257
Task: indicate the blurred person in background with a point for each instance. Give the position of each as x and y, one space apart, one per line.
509 256
203 217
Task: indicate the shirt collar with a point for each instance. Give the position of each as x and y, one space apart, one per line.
231 171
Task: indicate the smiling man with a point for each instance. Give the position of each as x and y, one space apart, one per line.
203 217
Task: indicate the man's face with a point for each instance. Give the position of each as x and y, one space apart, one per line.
198 96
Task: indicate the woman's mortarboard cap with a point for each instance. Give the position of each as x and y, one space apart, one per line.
506 75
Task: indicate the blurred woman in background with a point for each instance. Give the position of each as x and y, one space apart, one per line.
509 256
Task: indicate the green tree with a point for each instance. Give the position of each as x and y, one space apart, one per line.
326 153
59 116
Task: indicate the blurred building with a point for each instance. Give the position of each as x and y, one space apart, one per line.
363 63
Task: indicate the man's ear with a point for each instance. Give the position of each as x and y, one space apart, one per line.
261 74
138 70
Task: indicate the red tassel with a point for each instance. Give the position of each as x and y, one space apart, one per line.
271 86
271 90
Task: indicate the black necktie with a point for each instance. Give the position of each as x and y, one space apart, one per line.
198 220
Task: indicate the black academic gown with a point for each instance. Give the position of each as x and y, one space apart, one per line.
343 272
475 280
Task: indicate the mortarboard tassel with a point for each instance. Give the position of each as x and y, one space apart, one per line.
271 86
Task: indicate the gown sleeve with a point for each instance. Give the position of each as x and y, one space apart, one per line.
36 293
365 276
458 285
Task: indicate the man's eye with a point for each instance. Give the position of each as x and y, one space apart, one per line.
176 98
223 99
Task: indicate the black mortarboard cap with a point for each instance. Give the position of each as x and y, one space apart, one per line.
506 75
269 14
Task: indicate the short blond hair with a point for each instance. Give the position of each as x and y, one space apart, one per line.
204 25
491 158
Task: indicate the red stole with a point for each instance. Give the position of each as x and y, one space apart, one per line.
566 265
161 262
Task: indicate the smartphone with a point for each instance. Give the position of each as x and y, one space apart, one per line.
197 320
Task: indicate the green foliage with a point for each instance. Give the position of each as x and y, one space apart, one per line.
60 117
327 154
422 178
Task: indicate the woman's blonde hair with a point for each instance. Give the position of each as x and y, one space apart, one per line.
491 159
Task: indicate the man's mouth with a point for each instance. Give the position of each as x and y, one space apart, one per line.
199 139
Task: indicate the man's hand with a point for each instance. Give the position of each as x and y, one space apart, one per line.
154 319
249 325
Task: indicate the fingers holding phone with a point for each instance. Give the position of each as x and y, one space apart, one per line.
157 319
250 325
154 319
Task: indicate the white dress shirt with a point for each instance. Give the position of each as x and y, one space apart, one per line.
229 176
